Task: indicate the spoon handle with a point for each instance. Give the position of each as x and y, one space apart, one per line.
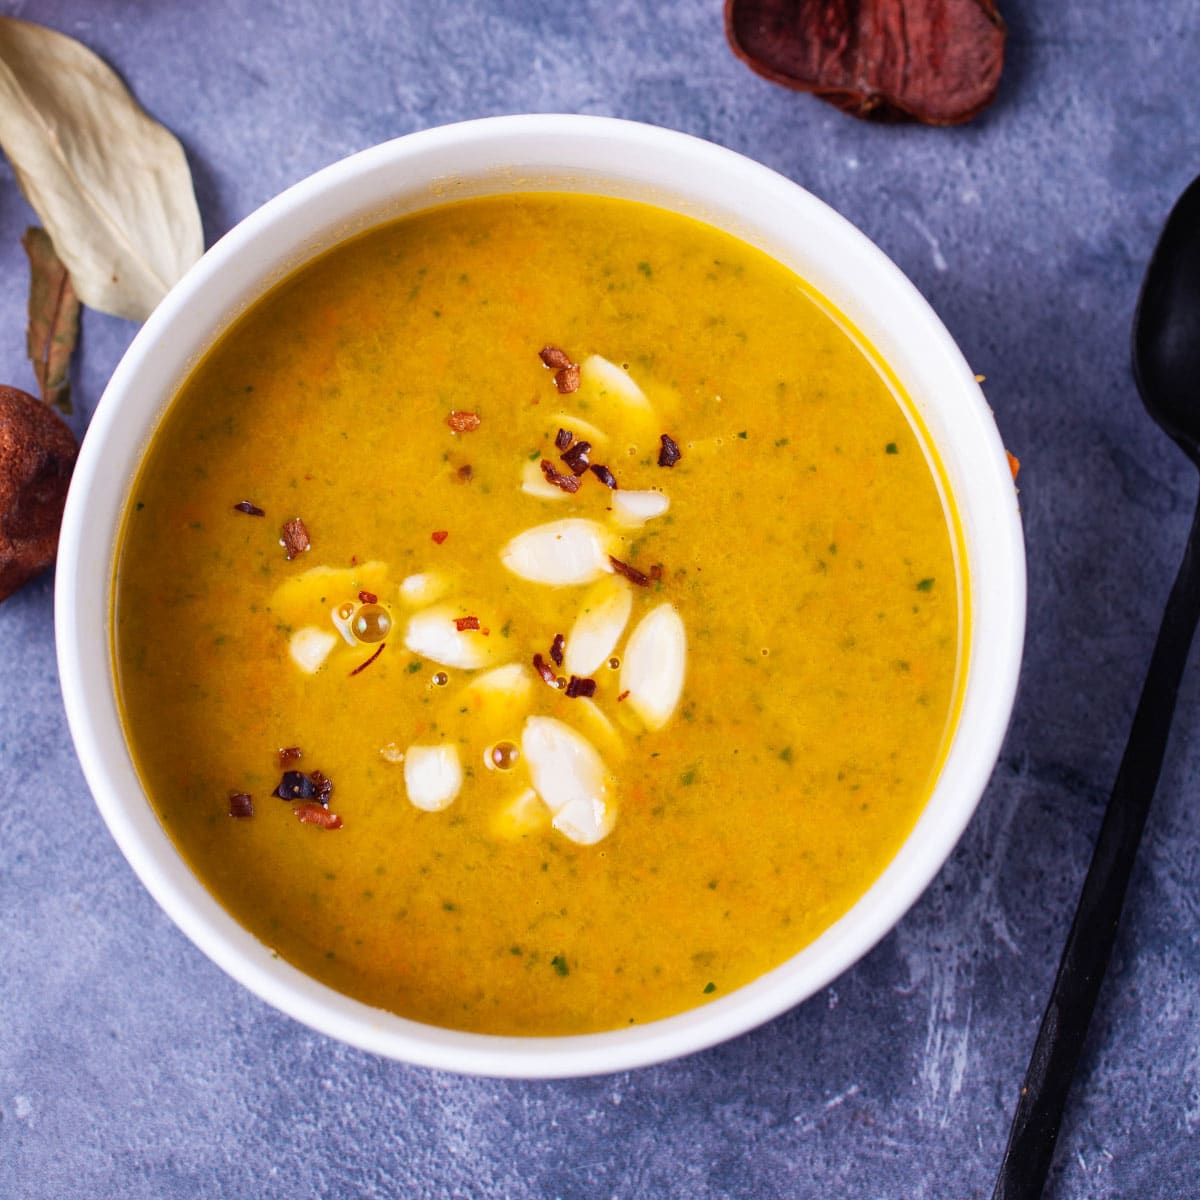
1089 944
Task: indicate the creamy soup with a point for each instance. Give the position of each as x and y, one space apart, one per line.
539 615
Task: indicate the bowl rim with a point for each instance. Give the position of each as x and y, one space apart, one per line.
680 168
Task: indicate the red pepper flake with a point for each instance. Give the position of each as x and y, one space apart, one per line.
462 623
313 814
362 666
630 573
463 422
554 357
623 696
241 804
656 572
368 598
567 380
295 538
562 439
568 483
577 457
670 453
580 687
439 535
323 785
464 473
603 474
556 648
251 510
290 754
544 670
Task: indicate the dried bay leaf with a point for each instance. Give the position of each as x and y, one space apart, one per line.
53 319
110 184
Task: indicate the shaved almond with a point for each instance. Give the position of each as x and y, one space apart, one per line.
310 647
343 625
425 588
634 509
601 621
571 778
524 814
561 552
432 634
614 389
432 776
654 664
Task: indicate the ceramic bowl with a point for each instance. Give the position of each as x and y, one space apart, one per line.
525 153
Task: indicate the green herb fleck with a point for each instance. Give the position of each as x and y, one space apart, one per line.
140 506
688 777
925 585
560 965
709 988
645 269
535 456
785 755
781 442
415 666
742 435
892 448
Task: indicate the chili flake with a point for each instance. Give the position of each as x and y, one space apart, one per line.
605 476
295 538
251 510
362 666
580 687
568 483
464 473
670 453
324 786
290 754
314 814
623 696
463 422
463 623
556 648
562 439
439 535
543 669
630 573
241 804
577 457
368 598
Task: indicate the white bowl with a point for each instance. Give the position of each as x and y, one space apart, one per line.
524 153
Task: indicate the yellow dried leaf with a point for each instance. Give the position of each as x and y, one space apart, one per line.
53 319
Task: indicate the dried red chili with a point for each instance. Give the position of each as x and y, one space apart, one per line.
463 422
885 60
323 785
630 573
669 453
439 536
290 754
464 623
544 669
241 804
362 666
368 598
313 814
577 687
562 439
577 457
605 476
568 483
557 647
294 537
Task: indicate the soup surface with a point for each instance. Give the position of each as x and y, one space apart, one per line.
760 624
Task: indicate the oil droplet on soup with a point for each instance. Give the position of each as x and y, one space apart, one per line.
605 852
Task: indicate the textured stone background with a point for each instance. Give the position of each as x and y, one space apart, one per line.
131 1067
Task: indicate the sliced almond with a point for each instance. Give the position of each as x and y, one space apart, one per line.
592 722
601 621
571 778
653 666
496 700
613 388
306 595
343 625
634 509
524 814
432 633
535 483
581 430
432 776
425 588
562 552
310 647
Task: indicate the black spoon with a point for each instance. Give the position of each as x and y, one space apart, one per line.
1166 366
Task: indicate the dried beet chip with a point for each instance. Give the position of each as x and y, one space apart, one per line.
439 536
251 510
294 538
580 687
669 454
630 573
362 666
544 670
577 457
885 60
368 598
562 439
557 647
295 785
314 814
241 804
554 358
623 696
290 754
567 380
463 422
568 483
605 476
464 623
